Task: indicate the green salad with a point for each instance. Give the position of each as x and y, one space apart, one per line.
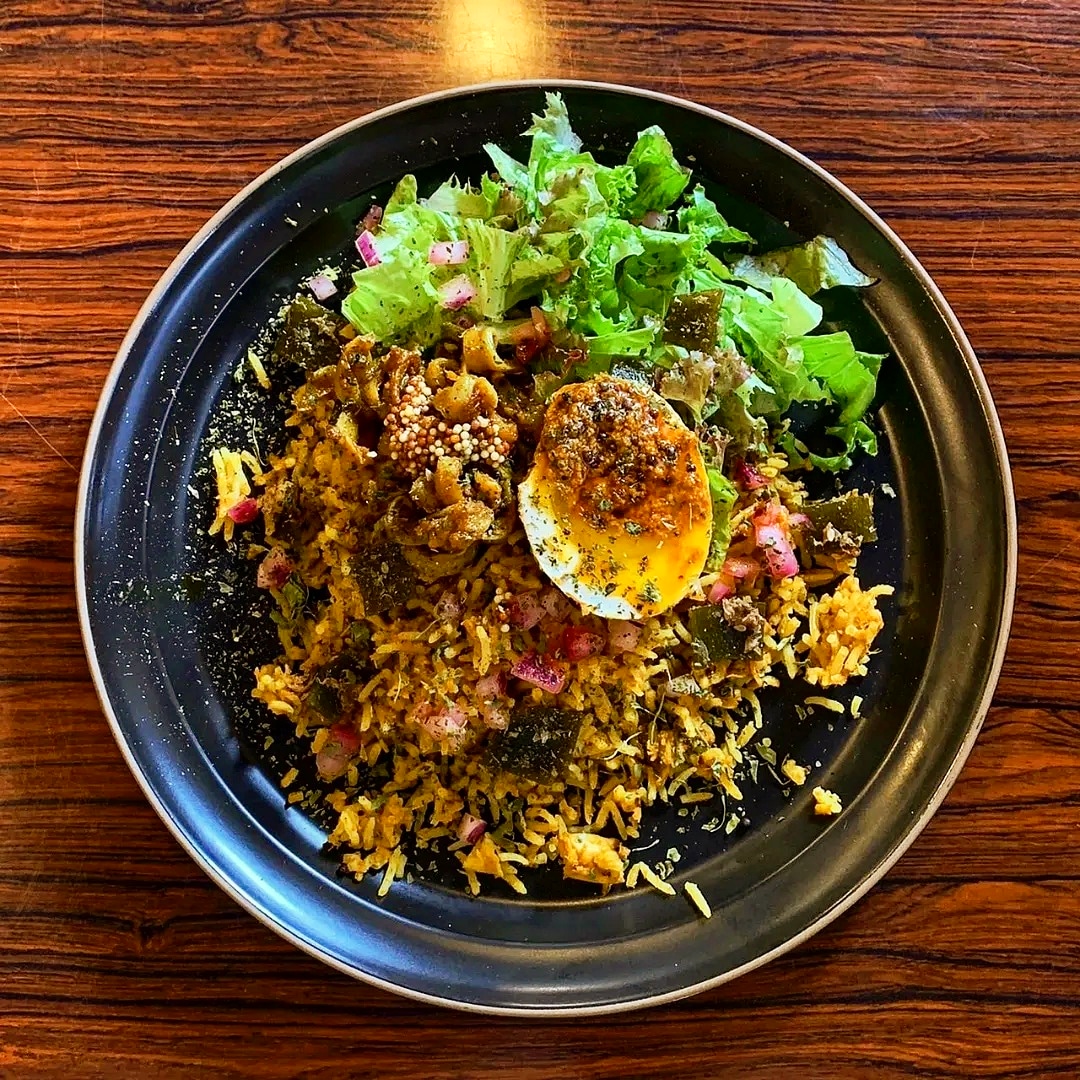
635 272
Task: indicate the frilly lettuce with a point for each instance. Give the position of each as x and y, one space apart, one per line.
818 264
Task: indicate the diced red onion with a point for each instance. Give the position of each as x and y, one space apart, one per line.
579 643
456 292
245 511
346 736
749 475
448 607
333 759
322 288
773 538
780 561
470 829
623 636
800 521
721 590
524 611
654 219
540 671
492 685
555 604
274 570
448 723
365 244
448 253
372 219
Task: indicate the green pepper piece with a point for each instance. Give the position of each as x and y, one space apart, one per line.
324 699
852 513
692 320
719 639
308 336
537 742
384 577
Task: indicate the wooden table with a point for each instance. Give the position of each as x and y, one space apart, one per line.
125 123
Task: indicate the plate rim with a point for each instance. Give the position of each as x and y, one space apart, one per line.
912 830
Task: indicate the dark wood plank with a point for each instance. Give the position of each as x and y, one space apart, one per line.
126 123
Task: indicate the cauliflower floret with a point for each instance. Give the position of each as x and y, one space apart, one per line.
587 857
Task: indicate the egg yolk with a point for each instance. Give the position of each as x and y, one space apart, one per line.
621 487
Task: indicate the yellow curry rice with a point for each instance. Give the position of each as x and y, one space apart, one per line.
646 736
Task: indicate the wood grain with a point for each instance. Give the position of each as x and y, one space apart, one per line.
125 123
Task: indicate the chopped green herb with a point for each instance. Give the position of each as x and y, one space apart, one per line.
766 752
650 594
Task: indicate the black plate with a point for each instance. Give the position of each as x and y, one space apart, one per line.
174 682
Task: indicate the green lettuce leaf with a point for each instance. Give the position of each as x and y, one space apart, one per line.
759 328
660 178
700 218
403 195
592 302
466 201
530 273
504 267
395 301
818 264
690 381
746 430
756 396
849 376
724 494
710 273
854 436
661 269
801 313
552 132
622 342
492 254
617 185
515 175
561 187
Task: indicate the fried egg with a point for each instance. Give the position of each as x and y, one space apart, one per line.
616 505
